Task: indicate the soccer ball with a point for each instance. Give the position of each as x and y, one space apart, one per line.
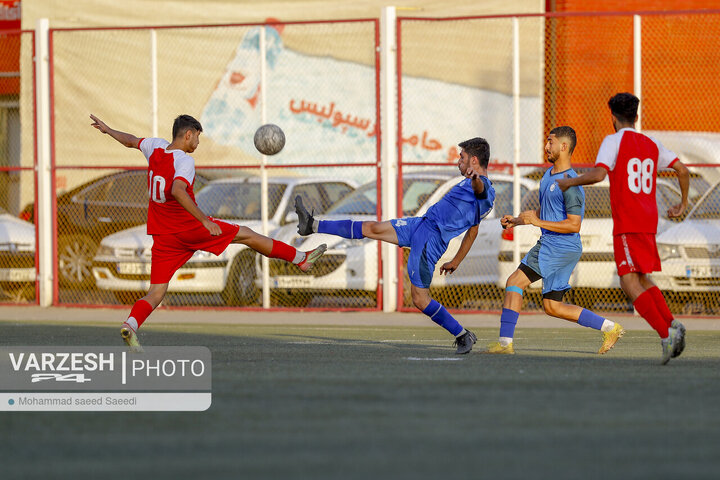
269 139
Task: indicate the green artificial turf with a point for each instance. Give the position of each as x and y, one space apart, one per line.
391 402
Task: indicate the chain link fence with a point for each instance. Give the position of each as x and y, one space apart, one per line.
467 77
17 163
507 79
317 80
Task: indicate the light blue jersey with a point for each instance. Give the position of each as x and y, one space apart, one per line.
555 255
555 205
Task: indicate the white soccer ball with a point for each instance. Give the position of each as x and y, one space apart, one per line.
269 139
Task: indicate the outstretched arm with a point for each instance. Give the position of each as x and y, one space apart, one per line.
570 225
595 175
508 221
467 241
130 141
178 191
684 180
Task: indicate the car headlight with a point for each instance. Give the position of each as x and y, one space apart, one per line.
105 251
667 251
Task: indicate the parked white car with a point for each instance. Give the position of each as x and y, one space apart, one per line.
122 263
596 268
17 257
690 253
693 148
353 264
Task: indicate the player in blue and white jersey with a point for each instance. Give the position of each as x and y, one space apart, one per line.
556 253
460 210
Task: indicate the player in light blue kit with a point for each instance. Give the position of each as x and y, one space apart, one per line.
460 210
557 252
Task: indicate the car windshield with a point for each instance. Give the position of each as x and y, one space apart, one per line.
710 206
597 201
504 197
698 185
238 200
363 201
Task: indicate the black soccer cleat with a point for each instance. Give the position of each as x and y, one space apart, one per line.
465 342
305 219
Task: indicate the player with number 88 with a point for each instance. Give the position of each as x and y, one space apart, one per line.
631 161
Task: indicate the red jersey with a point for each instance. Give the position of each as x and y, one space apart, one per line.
165 214
632 161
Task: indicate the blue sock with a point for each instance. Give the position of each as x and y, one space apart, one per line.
442 317
341 228
590 319
508 320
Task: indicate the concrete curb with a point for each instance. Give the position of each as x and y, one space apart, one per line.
115 316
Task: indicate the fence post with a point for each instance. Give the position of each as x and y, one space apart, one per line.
154 81
263 170
516 130
43 209
388 115
637 66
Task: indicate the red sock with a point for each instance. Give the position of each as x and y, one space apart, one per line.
661 305
645 305
283 251
140 311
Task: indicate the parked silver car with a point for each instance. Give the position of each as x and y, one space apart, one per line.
17 258
596 269
690 254
122 263
352 265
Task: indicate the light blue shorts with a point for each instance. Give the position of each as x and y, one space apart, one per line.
554 265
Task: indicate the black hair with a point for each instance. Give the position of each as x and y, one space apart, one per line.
477 147
566 132
184 122
624 106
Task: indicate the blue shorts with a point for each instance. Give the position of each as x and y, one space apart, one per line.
554 265
426 247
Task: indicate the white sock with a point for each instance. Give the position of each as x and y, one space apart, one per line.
132 323
299 257
607 325
505 341
315 225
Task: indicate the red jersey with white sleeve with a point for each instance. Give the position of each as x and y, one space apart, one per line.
632 161
165 214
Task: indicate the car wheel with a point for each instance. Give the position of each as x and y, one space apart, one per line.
18 293
240 288
75 254
281 297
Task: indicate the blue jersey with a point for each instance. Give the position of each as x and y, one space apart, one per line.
555 205
460 208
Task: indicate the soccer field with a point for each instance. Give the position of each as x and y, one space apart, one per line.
319 402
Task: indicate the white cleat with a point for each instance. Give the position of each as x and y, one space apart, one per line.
130 339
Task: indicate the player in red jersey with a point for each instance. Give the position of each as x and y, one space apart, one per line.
178 227
631 161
